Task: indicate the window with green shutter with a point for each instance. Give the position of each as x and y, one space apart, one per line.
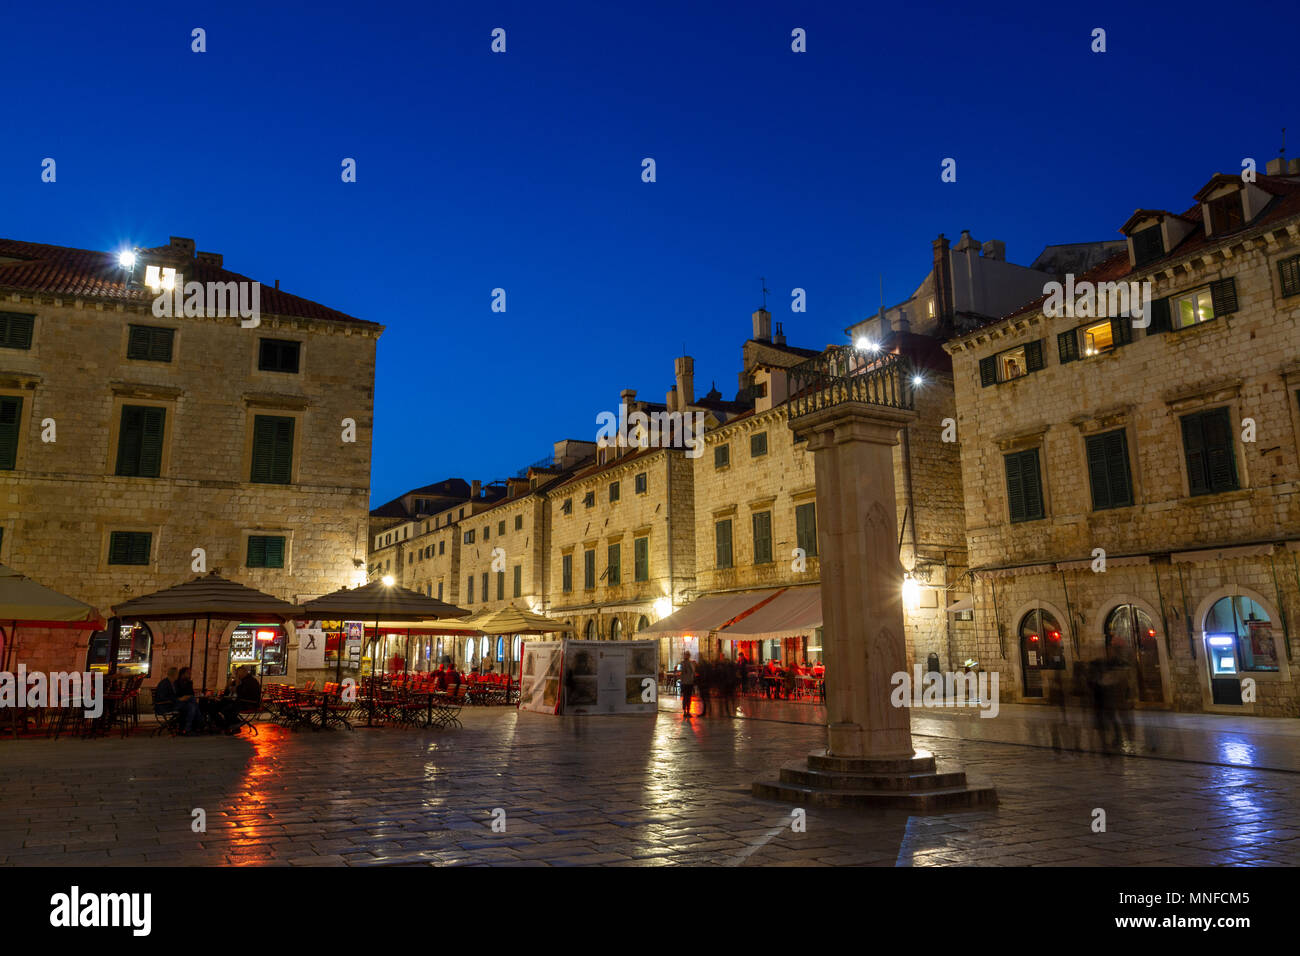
1024 486
501 585
589 569
988 371
140 441
265 551
11 420
519 580
722 456
469 590
272 450
613 491
278 355
149 343
615 564
1223 293
722 537
1108 470
805 524
762 537
1288 271
486 593
641 483
641 558
1067 345
519 522
1208 446
758 445
566 573
16 330
129 547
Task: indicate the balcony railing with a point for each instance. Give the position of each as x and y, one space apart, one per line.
846 374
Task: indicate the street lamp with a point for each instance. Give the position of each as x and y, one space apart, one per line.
387 580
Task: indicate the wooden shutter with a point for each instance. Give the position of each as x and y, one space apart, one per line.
1121 330
1198 478
119 548
1159 316
130 439
1288 271
152 427
256 551
989 371
272 450
11 417
519 579
137 343
160 345
501 585
1121 485
129 547
1033 484
1067 345
1223 294
1015 488
1034 355
1221 463
16 330
1098 473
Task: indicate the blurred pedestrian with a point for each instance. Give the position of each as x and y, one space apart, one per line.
688 683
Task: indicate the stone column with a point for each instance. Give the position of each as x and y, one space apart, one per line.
861 577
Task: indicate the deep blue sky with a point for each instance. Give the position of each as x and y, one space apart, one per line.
523 170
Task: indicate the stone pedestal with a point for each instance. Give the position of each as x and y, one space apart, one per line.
869 759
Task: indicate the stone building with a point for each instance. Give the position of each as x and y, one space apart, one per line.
129 441
1130 474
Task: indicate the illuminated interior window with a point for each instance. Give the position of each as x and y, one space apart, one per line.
1192 308
1011 364
1095 339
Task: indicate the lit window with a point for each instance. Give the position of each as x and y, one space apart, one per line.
1192 308
1095 339
1011 364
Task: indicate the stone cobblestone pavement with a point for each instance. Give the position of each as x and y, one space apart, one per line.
603 791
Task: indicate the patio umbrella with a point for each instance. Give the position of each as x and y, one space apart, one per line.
26 603
377 602
210 596
512 620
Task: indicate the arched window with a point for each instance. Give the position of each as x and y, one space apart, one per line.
615 629
1241 625
1041 649
590 632
642 623
1131 639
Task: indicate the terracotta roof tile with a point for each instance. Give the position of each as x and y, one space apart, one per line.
33 267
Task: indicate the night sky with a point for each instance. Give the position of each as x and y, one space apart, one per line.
522 170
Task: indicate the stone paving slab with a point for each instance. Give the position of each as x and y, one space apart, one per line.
605 791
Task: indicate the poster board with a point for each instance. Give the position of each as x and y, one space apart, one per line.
311 646
539 676
610 677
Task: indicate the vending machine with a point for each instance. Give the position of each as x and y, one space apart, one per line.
1225 682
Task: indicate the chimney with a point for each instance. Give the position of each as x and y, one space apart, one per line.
995 249
762 326
181 246
942 284
628 397
670 399
903 325
779 338
212 258
685 369
277 283
475 487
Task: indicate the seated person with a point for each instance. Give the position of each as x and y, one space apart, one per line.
186 702
164 695
451 676
819 670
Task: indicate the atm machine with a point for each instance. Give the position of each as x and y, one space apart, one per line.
1225 682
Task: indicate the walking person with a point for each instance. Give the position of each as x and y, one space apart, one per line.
688 684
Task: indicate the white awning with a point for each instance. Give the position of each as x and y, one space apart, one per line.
706 614
791 613
965 604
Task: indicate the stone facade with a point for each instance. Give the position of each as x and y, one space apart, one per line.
64 498
1174 545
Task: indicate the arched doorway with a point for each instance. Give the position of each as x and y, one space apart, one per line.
1239 641
1041 650
1131 635
615 629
